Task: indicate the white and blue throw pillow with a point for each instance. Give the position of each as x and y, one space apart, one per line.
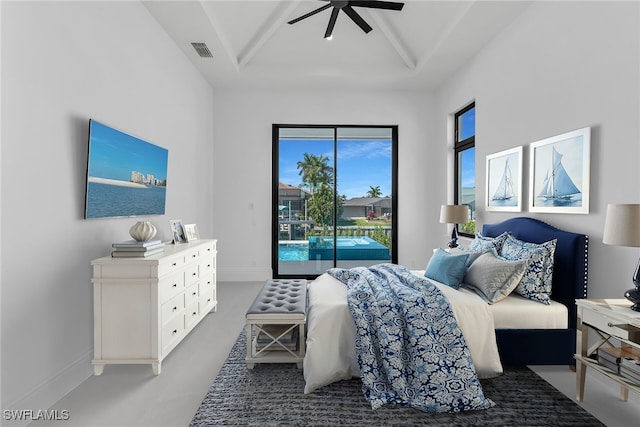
536 282
482 243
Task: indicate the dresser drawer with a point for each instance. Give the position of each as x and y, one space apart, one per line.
171 265
191 294
174 306
192 255
192 314
170 286
607 325
172 331
207 300
207 264
191 274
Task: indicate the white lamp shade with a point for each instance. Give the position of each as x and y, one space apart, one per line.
622 225
454 214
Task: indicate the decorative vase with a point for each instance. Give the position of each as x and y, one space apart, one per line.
143 231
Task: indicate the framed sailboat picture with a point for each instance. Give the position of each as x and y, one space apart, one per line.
559 173
504 181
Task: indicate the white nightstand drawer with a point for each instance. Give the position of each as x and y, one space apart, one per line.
607 325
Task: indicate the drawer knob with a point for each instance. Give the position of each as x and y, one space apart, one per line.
174 264
175 285
175 331
194 313
193 274
194 294
194 255
175 308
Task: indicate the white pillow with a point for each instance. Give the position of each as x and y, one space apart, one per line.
493 277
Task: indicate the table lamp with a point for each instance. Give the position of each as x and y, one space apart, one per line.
454 214
622 228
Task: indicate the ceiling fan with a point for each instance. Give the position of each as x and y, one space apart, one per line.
347 7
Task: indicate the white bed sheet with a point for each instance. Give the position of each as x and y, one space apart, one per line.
518 312
331 356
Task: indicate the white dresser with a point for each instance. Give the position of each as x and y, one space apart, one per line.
144 307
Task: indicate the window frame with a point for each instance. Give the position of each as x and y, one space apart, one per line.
275 167
458 148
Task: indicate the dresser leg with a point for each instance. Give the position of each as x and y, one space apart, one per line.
156 367
98 369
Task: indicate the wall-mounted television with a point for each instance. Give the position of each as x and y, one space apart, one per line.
126 176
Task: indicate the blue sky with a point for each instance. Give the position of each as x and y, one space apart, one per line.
361 163
114 154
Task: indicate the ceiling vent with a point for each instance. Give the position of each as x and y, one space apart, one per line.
202 50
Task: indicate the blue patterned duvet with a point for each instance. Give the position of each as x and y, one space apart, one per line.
410 348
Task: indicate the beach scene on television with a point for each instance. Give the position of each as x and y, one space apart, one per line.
126 176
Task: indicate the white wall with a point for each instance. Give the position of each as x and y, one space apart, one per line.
242 164
63 63
563 66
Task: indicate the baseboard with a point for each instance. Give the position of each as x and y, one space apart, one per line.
50 391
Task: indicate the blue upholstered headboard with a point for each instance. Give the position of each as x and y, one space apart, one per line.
570 265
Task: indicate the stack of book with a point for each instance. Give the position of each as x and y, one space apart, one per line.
289 340
135 249
613 357
630 368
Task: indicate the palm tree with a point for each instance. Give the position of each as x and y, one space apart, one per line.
315 171
374 191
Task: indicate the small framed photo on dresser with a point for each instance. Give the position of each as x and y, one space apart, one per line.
191 232
177 231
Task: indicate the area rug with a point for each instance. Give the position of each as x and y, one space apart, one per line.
272 395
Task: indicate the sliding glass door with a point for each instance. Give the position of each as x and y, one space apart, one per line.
334 198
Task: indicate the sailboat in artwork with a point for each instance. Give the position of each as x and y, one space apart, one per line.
505 189
557 183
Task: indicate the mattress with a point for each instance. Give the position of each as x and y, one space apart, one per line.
517 312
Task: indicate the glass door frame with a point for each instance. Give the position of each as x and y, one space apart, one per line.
275 168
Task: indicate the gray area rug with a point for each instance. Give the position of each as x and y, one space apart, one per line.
272 395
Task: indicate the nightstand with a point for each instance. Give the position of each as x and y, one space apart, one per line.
615 325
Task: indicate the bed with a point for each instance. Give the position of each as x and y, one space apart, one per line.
331 355
523 346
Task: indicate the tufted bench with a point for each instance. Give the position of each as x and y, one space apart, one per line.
276 322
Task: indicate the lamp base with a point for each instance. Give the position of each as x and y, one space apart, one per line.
633 295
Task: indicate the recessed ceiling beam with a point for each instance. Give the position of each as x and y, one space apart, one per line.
444 35
266 31
394 39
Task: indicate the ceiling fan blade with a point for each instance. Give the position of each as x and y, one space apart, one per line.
357 18
332 22
390 5
313 12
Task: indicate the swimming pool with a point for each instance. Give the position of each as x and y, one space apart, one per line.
321 248
293 251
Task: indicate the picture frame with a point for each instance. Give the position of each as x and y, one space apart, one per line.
191 232
559 173
177 231
504 181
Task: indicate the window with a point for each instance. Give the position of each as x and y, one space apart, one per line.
334 198
465 165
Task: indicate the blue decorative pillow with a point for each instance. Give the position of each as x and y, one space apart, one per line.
482 243
447 268
493 277
536 282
